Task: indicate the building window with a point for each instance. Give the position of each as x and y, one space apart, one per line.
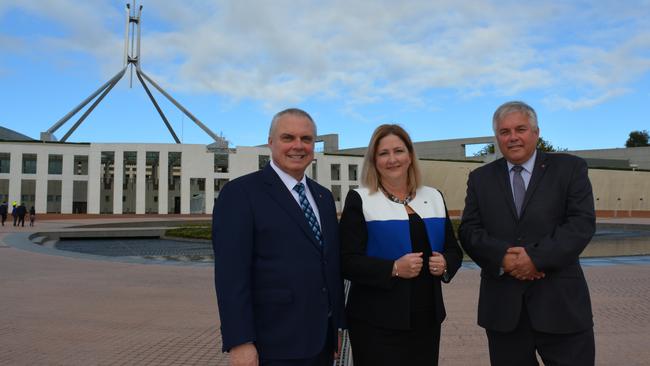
262 161
152 179
174 168
81 165
336 171
28 192
55 164
220 163
29 163
152 162
352 172
53 196
314 170
79 196
4 190
5 162
107 173
218 185
353 186
336 192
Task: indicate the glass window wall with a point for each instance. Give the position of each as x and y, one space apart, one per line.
53 196
152 177
174 181
220 163
107 179
130 161
29 163
79 196
5 162
197 195
54 164
81 165
28 192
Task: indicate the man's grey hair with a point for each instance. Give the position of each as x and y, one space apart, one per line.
514 106
292 111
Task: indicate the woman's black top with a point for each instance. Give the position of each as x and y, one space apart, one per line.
378 298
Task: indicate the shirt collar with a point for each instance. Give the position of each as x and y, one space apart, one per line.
528 165
288 180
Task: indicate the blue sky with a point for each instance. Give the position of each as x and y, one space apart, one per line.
439 68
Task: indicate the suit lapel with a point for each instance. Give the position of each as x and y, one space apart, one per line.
541 163
278 191
503 177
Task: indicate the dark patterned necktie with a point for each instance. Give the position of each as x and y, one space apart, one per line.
518 188
309 213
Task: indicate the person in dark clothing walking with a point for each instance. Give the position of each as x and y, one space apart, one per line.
32 216
3 212
21 211
14 212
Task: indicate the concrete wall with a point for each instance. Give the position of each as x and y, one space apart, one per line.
450 178
614 191
620 190
636 155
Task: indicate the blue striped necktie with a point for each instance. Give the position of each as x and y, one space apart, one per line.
309 213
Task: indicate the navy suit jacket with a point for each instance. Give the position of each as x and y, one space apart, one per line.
556 224
276 287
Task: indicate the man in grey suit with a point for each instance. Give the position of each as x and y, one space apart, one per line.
527 218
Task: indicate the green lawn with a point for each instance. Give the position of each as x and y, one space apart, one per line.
191 232
194 231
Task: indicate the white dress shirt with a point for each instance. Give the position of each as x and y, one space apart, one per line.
291 182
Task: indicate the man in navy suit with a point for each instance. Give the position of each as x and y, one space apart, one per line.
277 259
527 218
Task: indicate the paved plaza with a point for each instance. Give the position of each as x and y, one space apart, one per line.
78 310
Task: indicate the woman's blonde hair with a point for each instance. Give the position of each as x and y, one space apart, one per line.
369 174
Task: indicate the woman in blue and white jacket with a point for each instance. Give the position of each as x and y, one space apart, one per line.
398 245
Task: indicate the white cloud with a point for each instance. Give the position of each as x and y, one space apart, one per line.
370 51
559 102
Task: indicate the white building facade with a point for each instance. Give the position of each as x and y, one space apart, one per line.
133 178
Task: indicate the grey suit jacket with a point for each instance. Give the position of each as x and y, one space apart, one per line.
557 223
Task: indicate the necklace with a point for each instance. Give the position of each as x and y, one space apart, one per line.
391 197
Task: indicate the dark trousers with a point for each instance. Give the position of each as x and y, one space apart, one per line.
324 358
15 219
21 220
375 346
4 218
517 348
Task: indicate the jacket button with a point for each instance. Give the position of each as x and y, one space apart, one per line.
324 289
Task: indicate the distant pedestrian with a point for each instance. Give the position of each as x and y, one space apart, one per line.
32 216
3 212
21 211
14 213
